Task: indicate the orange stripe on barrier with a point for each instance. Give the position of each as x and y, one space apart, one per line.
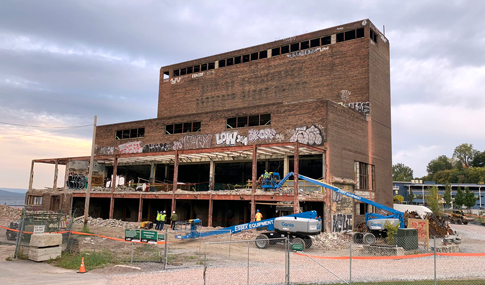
460 254
369 257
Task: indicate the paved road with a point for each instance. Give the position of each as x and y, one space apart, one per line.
31 272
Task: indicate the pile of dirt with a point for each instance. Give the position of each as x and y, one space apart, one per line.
9 214
111 223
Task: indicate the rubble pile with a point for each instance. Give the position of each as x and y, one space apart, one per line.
438 226
112 223
331 241
9 214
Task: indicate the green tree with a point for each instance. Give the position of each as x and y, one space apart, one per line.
410 197
470 199
440 163
465 154
447 195
398 199
479 159
459 198
432 200
401 172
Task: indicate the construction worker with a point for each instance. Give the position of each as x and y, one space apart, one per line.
258 216
162 221
266 175
174 219
159 219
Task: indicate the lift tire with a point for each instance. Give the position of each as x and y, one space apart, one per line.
459 222
298 241
452 221
262 241
358 238
308 242
369 238
465 223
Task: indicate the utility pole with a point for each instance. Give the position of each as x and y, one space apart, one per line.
90 175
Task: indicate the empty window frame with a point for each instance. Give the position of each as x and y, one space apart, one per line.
373 35
211 65
263 54
130 133
326 40
203 67
295 47
176 72
229 61
222 63
245 58
197 68
189 70
340 37
360 33
285 49
183 71
179 128
237 60
304 45
254 56
362 176
248 121
314 42
350 35
166 74
275 51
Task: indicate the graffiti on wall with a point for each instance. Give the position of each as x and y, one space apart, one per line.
105 150
193 142
156 147
307 51
130 147
336 197
263 134
227 138
309 136
342 222
362 107
345 95
77 181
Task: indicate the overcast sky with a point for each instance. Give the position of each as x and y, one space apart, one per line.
62 62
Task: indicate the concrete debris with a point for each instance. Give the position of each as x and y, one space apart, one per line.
112 223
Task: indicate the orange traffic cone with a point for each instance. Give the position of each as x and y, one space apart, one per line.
82 269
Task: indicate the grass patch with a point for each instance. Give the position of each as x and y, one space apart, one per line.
92 260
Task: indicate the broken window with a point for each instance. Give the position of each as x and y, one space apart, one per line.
275 51
230 61
254 120
166 75
211 65
263 54
231 123
326 40
126 134
189 70
237 60
254 56
187 128
177 128
183 71
362 175
350 35
340 37
251 121
169 129
203 67
295 47
222 63
176 72
360 33
265 119
285 49
304 45
133 133
182 128
119 135
141 132
242 122
130 133
196 126
245 58
197 68
314 42
373 35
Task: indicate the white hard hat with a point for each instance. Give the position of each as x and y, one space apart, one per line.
164 212
174 212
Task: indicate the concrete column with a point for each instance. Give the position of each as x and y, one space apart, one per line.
212 174
166 171
296 204
175 177
209 219
286 165
31 181
153 169
140 209
266 166
66 175
56 171
255 178
324 166
113 187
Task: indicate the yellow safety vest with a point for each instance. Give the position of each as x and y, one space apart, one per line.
159 217
163 217
259 216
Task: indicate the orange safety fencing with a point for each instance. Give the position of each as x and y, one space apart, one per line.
85 234
393 257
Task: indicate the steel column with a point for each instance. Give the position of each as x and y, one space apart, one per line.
255 178
113 187
56 171
296 204
175 177
209 219
212 174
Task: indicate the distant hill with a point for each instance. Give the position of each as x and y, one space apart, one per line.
12 192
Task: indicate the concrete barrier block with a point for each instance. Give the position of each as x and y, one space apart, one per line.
43 254
44 240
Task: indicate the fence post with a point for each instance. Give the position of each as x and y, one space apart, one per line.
230 242
132 252
94 242
434 249
19 235
350 257
248 263
165 253
287 263
205 262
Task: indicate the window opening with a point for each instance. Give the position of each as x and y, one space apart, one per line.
304 45
285 49
126 134
176 72
242 122
360 33
133 133
119 135
211 65
189 70
248 121
350 35
177 129
326 40
263 54
314 42
141 132
166 75
373 35
203 67
183 71
265 119
196 126
254 120
197 68
183 128
245 58
169 129
231 123
254 56
295 47
187 127
275 51
222 63
237 60
340 37
130 133
230 61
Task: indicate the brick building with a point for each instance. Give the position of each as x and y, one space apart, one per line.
317 104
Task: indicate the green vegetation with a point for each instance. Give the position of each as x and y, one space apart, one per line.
86 229
433 199
447 196
398 199
459 198
391 231
92 260
470 198
410 197
401 172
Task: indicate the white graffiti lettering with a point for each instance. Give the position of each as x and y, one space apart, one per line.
362 107
197 141
263 134
310 136
242 139
156 147
130 147
105 150
177 145
228 138
342 222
